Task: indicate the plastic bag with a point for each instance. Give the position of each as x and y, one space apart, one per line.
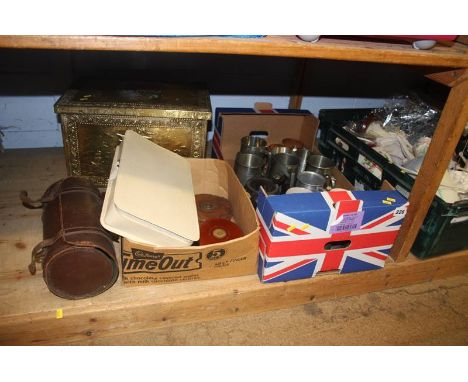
411 115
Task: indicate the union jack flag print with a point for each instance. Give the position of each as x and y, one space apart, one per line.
349 231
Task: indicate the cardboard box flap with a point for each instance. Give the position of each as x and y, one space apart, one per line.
275 124
319 201
150 194
323 210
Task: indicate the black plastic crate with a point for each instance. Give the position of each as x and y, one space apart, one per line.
445 227
363 167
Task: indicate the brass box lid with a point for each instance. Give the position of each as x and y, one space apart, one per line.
166 102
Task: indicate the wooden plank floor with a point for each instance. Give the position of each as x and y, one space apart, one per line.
432 313
28 309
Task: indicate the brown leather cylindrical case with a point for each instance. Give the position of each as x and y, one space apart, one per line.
77 253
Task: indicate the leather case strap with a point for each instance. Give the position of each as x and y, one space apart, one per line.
32 204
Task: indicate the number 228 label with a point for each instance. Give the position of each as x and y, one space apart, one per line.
399 212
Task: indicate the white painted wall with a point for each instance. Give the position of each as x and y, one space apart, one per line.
30 121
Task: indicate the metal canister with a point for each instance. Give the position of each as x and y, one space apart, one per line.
280 150
303 154
248 165
253 145
293 144
283 169
319 164
310 180
283 164
253 186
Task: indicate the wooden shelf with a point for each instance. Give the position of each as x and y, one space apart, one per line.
454 55
28 309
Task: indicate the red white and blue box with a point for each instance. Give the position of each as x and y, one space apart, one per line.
231 124
304 234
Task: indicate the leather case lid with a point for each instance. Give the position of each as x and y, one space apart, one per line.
153 188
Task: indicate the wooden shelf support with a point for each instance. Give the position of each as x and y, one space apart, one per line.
448 132
295 101
449 78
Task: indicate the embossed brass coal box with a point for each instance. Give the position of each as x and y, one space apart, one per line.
93 122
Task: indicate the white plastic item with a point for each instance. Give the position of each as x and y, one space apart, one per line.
309 37
298 190
149 197
424 44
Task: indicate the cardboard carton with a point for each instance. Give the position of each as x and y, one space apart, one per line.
233 124
146 264
347 231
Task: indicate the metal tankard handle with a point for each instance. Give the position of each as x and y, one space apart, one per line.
330 182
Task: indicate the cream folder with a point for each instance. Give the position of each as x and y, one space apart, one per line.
149 197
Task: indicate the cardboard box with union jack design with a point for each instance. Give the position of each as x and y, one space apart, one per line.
349 231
